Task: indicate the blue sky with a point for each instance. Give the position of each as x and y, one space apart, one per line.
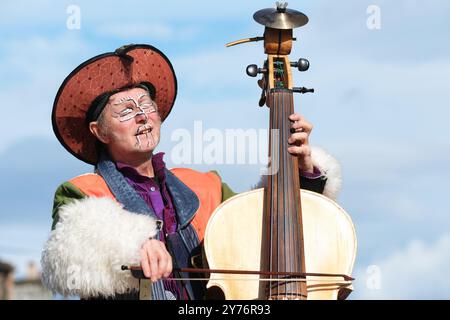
380 107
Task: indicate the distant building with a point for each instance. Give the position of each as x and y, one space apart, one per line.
29 288
6 280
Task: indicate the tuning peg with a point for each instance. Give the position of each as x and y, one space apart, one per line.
302 64
253 70
302 90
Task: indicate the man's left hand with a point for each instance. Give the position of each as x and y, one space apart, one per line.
299 141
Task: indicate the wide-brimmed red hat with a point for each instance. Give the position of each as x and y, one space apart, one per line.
127 66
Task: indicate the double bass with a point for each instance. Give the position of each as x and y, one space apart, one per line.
299 244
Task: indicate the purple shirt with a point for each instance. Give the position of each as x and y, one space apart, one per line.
311 175
154 194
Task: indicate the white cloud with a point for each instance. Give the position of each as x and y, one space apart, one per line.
218 67
176 10
400 205
388 159
149 30
418 271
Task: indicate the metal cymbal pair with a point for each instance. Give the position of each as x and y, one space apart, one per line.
280 17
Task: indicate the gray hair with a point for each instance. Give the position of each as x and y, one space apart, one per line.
102 123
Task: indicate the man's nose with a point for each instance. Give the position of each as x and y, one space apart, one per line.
141 117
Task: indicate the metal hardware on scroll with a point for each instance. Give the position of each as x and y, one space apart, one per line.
281 17
278 23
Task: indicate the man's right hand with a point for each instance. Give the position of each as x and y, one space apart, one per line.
156 261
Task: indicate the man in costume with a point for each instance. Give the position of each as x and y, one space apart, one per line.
132 210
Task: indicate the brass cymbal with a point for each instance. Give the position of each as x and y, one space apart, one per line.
280 18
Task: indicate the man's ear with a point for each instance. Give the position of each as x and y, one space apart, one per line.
97 132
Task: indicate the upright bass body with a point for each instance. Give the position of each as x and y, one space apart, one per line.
233 241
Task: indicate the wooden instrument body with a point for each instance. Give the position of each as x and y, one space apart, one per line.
280 230
233 241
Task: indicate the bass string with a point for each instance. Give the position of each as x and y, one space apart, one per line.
271 185
286 213
293 190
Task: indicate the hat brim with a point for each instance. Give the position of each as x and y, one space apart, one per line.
104 73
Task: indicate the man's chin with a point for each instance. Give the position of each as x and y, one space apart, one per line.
144 148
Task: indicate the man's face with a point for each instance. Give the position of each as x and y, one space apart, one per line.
132 123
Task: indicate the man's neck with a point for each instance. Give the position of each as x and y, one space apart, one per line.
143 165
